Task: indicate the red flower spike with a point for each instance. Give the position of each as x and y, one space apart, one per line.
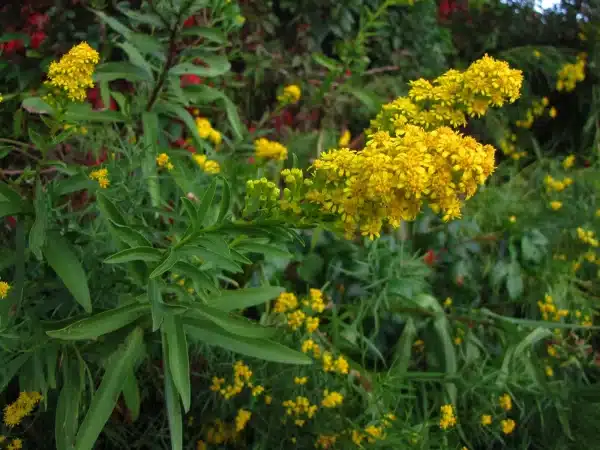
430 257
37 38
189 22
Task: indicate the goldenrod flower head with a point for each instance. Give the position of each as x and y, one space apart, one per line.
291 94
537 54
286 301
201 445
341 365
505 402
486 420
73 73
325 441
447 419
568 162
331 399
512 219
16 444
316 303
448 302
549 371
345 139
4 289
215 137
241 419
300 407
311 324
270 150
300 380
508 426
556 205
374 433
101 176
553 112
204 127
21 408
570 74
268 399
212 167
295 319
257 390
163 160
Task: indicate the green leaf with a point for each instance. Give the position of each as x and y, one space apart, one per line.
523 348
131 395
206 202
148 44
187 119
36 105
210 34
105 398
37 234
8 370
83 112
145 18
514 280
137 59
234 325
100 324
270 251
67 405
178 358
64 262
367 98
148 254
156 304
225 201
191 211
210 256
151 128
114 24
538 323
207 94
403 350
8 195
215 65
327 62
109 209
244 298
72 184
130 236
258 348
15 36
122 70
9 209
174 415
166 264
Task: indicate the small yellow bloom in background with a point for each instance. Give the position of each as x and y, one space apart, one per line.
374 433
212 167
4 289
312 324
300 380
553 112
447 419
552 351
270 150
512 219
200 445
204 127
295 319
598 212
240 20
556 205
268 399
285 302
568 161
345 139
549 371
73 73
505 402
341 365
331 399
257 390
508 426
16 444
486 420
448 302
458 340
1 98
101 176
242 418
215 137
21 408
163 160
291 94
537 54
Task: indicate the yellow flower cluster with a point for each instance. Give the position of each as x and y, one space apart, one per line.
21 408
509 148
587 236
389 179
73 73
285 302
505 402
555 205
261 196
571 74
450 98
325 441
206 131
241 419
291 94
372 432
101 175
568 162
163 160
447 419
242 377
207 165
300 380
288 303
557 185
4 289
508 426
331 399
486 420
267 149
16 444
219 433
300 409
537 109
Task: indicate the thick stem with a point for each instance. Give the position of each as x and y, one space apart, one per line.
171 57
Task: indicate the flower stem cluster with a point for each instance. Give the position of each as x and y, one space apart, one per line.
72 75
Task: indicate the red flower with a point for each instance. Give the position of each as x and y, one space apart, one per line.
190 79
12 46
430 258
37 38
189 22
251 160
11 221
38 20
